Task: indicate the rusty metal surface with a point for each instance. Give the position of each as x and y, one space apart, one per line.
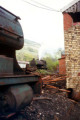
6 65
11 33
1 28
76 95
7 102
15 98
23 95
10 80
73 94
37 87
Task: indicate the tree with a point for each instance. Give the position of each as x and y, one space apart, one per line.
51 64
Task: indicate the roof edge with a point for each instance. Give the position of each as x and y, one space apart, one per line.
69 5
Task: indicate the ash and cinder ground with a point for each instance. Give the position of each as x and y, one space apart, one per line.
57 107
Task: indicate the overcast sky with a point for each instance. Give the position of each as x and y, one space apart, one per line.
40 25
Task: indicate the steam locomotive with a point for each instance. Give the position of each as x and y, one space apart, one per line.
16 87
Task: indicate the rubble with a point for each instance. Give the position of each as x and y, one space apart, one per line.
54 80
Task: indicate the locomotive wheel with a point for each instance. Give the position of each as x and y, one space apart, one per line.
7 103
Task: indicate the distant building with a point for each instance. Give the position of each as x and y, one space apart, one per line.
22 64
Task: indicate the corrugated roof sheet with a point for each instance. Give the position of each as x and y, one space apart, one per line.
72 7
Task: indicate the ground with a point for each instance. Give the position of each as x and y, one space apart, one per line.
53 106
57 108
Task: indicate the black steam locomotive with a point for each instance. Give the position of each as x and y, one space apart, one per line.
16 88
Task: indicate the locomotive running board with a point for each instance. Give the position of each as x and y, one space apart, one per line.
18 79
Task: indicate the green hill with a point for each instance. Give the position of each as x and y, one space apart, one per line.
29 51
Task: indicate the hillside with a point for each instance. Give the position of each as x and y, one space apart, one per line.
29 51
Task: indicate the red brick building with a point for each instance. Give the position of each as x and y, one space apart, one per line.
71 15
62 65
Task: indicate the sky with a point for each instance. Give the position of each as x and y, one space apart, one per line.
44 26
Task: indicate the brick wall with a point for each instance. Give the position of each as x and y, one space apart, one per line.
72 52
62 68
67 21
